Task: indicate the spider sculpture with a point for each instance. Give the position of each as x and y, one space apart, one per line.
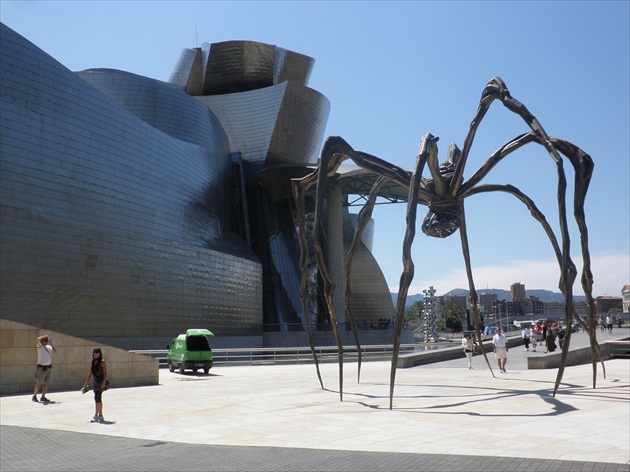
444 193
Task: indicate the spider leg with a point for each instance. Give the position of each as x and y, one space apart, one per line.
436 175
329 163
471 285
364 217
334 152
427 148
299 192
497 90
583 166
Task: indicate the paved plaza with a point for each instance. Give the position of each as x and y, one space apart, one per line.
278 418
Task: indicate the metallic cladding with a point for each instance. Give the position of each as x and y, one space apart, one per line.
292 66
116 195
299 128
165 107
371 298
189 72
281 124
238 66
110 226
248 119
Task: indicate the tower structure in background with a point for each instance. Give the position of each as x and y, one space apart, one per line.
429 316
517 291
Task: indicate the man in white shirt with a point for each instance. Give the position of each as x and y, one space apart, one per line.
525 335
500 348
43 374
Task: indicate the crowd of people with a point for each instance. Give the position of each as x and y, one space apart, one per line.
544 334
541 334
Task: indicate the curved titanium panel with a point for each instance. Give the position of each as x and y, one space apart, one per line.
283 124
300 127
109 226
238 66
371 298
292 66
164 106
249 119
188 71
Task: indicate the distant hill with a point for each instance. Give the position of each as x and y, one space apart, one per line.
543 295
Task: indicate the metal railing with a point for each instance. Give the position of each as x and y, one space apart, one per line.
290 355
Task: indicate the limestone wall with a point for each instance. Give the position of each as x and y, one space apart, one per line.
71 363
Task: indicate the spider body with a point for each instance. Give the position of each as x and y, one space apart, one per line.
445 211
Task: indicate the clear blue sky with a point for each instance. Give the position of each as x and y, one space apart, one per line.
394 71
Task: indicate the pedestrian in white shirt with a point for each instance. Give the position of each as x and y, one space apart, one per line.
500 348
468 343
525 334
43 372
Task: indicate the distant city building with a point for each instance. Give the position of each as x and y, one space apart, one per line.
485 302
517 291
459 300
605 304
502 308
534 306
557 309
625 293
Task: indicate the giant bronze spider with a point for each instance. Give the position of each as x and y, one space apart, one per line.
444 193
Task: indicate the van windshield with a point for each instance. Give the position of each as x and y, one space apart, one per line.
197 343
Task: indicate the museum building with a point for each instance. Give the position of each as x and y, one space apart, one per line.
132 208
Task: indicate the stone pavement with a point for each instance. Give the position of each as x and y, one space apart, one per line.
277 418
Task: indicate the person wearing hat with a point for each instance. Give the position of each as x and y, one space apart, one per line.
43 372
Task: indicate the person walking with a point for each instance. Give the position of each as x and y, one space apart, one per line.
98 371
550 342
525 335
43 372
561 334
468 343
536 335
500 348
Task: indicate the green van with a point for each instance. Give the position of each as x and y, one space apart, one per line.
190 351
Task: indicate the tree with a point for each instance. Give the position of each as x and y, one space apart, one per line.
414 312
452 317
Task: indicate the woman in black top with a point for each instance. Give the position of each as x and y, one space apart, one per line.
98 371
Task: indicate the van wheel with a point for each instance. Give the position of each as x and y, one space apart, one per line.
194 371
206 370
181 369
170 367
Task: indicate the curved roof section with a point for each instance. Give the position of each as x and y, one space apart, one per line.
159 104
238 66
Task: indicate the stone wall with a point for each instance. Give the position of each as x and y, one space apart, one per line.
71 363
